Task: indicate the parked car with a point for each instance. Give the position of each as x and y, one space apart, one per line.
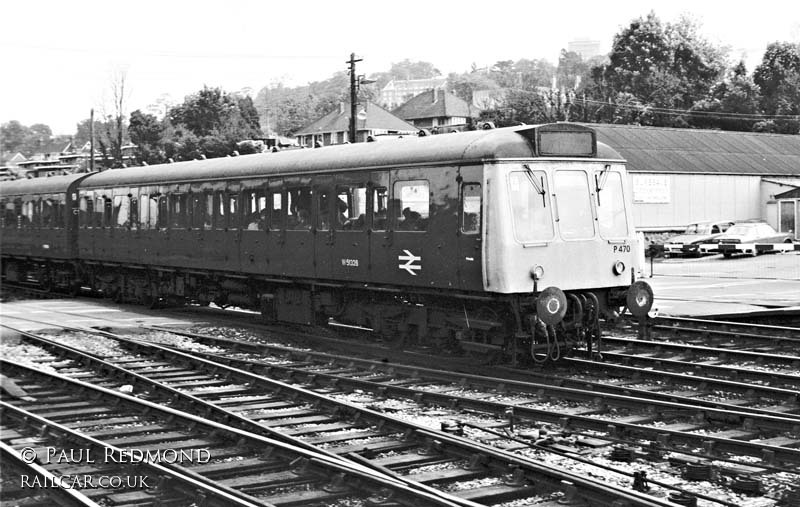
696 233
749 233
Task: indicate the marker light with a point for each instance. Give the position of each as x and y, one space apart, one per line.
619 267
537 272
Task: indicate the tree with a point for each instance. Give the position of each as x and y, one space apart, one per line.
465 85
663 67
209 123
778 76
146 133
13 136
729 103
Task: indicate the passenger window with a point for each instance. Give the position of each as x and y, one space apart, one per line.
134 207
178 211
45 213
611 208
152 212
380 208
255 210
198 210
27 214
221 215
9 217
208 215
298 215
351 207
233 211
574 205
108 212
413 199
530 206
122 207
18 213
470 208
84 211
144 207
276 216
163 212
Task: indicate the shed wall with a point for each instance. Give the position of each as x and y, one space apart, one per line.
694 197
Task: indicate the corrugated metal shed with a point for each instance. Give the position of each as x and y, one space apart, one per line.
669 150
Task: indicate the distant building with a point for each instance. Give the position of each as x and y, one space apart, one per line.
585 47
334 127
398 92
434 108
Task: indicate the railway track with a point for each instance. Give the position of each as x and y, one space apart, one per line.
364 437
101 442
750 393
588 426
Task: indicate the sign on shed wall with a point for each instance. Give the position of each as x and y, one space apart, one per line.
651 188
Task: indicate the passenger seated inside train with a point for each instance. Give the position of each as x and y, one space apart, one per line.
412 221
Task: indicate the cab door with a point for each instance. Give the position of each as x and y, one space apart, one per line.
470 228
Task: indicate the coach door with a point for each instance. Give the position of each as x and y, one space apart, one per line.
470 227
349 241
423 218
297 250
276 227
382 261
254 226
324 218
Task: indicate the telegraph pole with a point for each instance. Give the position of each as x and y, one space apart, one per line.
353 88
91 140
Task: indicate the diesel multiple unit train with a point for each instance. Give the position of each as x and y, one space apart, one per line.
505 242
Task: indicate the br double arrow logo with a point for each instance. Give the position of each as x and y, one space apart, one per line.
410 260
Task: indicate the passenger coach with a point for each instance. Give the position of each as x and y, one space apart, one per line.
478 240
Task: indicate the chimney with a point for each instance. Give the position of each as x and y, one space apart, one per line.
341 107
435 96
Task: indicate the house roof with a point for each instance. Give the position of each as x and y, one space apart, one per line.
789 194
338 120
433 104
671 150
54 146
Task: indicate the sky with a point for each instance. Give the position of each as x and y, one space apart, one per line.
60 58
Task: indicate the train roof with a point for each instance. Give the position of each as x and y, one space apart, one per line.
49 185
473 146
464 147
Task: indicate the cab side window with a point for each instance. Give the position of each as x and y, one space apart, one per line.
471 208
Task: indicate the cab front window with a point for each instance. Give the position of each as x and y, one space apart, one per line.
611 208
530 206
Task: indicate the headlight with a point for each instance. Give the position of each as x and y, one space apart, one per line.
619 267
537 272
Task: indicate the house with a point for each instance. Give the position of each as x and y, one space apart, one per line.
334 127
435 109
399 91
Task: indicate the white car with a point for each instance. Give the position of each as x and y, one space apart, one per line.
696 234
